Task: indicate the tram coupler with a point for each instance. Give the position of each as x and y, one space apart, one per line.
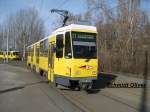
85 85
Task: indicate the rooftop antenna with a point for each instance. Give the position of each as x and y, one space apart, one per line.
63 13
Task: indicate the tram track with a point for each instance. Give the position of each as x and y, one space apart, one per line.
51 99
116 100
106 99
77 102
74 97
71 96
72 100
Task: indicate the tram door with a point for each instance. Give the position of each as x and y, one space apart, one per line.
32 53
37 54
51 62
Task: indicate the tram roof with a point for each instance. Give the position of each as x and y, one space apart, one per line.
38 41
9 51
75 27
68 28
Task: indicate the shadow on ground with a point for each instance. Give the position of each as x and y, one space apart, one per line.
103 81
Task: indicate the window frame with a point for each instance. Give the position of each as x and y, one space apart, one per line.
65 54
60 49
44 48
85 41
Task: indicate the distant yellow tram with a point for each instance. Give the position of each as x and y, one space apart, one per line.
1 54
67 57
12 55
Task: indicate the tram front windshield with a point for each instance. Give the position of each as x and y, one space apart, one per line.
84 45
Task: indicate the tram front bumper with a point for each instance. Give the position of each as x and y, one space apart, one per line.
85 79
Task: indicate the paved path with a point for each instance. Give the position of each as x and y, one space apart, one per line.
41 97
38 97
114 99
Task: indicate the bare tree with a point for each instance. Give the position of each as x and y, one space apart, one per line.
25 27
122 32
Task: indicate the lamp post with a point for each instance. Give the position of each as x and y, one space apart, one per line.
7 48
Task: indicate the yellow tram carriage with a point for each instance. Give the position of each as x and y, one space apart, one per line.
12 55
67 57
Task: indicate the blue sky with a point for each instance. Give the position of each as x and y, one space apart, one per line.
43 6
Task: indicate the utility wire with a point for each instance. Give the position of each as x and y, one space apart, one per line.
98 7
59 6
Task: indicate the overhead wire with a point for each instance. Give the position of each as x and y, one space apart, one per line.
58 6
98 7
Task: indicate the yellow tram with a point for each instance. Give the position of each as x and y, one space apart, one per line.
1 54
12 55
67 57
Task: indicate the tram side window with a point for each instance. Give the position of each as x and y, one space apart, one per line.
41 48
44 48
37 51
59 46
15 53
67 45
